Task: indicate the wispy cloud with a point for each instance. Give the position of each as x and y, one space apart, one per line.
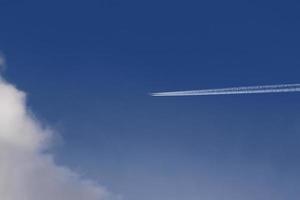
2 61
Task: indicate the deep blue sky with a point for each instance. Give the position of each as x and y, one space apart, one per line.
88 66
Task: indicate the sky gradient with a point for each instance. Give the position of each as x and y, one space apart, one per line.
88 67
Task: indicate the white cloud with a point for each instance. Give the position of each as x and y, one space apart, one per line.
26 171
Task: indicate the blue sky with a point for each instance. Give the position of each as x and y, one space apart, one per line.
88 68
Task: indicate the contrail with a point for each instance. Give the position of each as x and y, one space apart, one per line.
235 90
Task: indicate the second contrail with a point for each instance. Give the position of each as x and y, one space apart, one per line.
235 90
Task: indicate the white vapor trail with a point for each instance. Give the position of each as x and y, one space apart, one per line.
235 90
